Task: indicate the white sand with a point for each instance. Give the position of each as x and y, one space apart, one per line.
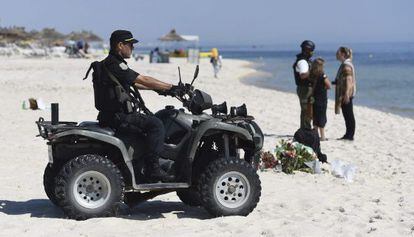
380 201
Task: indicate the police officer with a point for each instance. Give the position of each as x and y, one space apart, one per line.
120 118
301 69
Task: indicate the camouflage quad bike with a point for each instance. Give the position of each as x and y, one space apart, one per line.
92 170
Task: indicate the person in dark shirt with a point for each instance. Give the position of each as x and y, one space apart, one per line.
321 84
120 118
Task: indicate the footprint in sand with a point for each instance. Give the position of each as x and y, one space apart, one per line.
372 219
266 233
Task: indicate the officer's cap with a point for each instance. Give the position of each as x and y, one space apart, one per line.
124 36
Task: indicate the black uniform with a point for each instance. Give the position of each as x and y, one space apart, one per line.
118 118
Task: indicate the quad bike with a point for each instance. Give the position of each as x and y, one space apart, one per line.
92 170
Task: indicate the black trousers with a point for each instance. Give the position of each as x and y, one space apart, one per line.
348 112
140 124
151 126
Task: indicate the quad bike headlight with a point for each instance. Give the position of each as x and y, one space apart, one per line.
238 111
219 109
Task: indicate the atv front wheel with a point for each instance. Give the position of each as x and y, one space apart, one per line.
191 196
49 183
229 187
89 186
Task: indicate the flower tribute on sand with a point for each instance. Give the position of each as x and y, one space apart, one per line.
291 155
268 161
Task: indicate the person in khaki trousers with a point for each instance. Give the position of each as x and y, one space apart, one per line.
301 69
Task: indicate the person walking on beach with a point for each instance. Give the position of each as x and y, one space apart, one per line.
321 84
345 90
301 69
120 115
215 60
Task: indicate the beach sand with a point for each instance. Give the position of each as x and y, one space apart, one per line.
380 201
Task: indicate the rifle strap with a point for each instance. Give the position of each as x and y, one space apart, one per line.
87 72
139 101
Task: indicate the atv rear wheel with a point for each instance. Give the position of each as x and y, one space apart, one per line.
229 187
89 186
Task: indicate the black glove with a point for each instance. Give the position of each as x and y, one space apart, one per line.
164 93
175 91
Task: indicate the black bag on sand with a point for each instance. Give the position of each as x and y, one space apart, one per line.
310 137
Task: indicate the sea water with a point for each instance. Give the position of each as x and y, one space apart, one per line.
384 72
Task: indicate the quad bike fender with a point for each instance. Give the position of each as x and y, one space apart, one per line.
126 154
100 137
220 126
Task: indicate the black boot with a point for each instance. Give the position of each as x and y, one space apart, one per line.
156 174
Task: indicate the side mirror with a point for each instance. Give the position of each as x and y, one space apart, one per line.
195 74
179 76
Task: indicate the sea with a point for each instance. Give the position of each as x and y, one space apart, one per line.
384 72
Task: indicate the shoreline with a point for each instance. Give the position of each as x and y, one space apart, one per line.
260 73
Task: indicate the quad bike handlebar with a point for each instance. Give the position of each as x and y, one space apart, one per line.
184 92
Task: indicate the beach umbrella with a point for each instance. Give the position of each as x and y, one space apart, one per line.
47 36
13 34
172 36
50 34
84 35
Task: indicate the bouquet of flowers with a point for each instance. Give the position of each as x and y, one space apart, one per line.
293 156
268 161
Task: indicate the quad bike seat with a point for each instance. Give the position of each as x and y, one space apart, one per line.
94 126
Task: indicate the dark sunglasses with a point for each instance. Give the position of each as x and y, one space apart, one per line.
130 44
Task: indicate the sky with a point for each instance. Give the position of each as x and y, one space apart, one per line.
239 22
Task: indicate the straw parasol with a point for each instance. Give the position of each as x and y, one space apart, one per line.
84 35
13 34
172 36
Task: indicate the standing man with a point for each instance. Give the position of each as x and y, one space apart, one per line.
117 108
301 69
